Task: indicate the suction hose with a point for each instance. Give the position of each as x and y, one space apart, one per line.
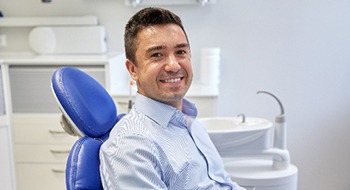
280 138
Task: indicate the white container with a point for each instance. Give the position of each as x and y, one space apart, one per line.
68 40
210 66
259 174
119 78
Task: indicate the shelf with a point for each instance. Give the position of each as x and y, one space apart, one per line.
136 3
34 59
47 21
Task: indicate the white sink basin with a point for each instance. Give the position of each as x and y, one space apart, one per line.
233 137
234 124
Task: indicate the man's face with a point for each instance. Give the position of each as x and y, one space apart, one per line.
163 69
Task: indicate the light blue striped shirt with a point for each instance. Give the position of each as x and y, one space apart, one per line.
156 146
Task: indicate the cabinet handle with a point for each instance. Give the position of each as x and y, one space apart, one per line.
55 132
59 151
58 171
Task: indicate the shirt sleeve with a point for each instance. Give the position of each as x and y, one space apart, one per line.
131 163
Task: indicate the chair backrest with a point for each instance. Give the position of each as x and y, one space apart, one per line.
89 112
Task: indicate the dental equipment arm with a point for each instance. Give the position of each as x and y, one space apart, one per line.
281 157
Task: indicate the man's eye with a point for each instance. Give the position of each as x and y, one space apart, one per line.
181 52
156 55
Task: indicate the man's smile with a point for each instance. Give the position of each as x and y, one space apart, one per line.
173 80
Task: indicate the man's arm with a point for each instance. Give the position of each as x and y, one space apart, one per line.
130 163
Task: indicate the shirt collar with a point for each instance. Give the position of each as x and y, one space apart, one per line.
162 113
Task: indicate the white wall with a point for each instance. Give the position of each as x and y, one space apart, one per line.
299 50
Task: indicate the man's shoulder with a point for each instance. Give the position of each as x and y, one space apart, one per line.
132 124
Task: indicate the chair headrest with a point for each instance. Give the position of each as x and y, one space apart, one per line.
86 106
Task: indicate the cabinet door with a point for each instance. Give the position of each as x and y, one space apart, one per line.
41 150
39 129
31 87
40 176
5 160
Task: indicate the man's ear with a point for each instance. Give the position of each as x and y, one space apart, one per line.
132 69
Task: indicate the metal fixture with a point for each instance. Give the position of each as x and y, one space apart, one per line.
243 117
279 102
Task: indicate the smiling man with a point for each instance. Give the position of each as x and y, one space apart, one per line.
162 64
160 144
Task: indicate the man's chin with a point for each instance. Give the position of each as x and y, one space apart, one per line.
172 97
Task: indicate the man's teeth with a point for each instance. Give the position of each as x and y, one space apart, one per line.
173 80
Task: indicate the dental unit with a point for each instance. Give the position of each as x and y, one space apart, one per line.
254 150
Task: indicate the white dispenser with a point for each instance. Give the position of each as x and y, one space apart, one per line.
210 66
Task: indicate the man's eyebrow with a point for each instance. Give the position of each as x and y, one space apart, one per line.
183 45
154 48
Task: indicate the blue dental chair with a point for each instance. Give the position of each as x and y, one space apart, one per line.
88 112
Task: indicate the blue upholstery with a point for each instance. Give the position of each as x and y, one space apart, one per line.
89 112
82 170
85 101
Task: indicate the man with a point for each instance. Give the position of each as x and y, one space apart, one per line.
159 144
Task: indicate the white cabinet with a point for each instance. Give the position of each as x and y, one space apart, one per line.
6 170
40 145
41 149
7 176
31 86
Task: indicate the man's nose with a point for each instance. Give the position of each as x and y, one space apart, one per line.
172 64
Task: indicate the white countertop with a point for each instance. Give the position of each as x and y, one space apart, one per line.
30 58
48 21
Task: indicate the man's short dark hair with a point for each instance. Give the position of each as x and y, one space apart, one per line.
144 18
